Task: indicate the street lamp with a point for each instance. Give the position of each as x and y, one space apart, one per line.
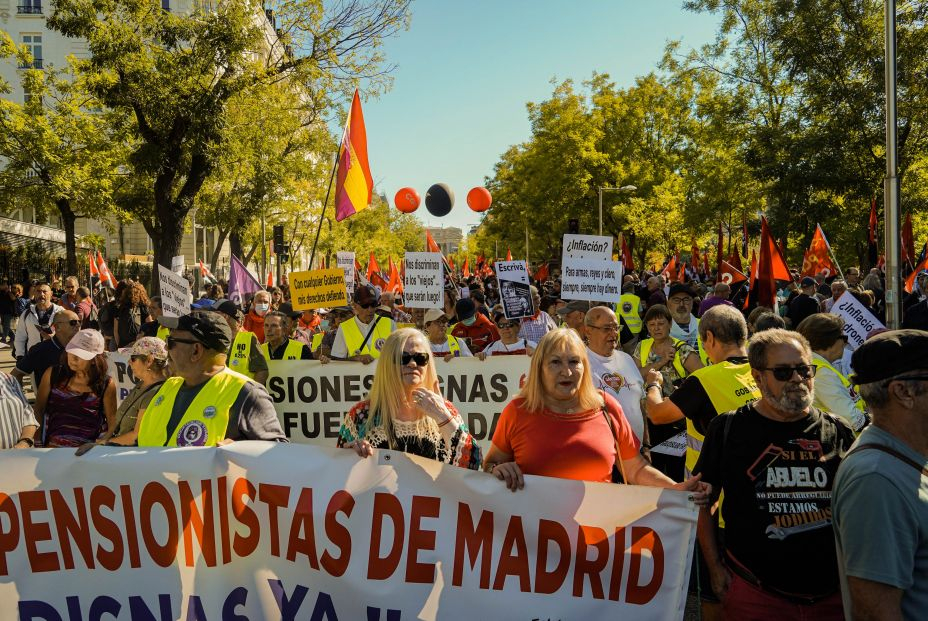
624 188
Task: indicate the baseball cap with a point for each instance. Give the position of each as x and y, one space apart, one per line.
887 355
147 346
433 314
572 306
209 328
679 287
86 344
465 309
808 281
230 308
365 295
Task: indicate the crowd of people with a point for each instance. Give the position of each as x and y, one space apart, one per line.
764 416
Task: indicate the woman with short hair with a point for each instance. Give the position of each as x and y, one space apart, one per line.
405 410
674 358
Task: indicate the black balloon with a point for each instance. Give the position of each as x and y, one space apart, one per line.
439 200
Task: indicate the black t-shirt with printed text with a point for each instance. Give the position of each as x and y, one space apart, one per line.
777 479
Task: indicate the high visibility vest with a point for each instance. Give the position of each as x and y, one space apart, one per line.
627 308
293 351
859 403
703 356
163 333
729 386
354 338
677 362
316 341
453 346
205 421
240 353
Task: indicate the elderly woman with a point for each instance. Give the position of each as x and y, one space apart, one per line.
405 411
561 426
509 343
442 343
672 357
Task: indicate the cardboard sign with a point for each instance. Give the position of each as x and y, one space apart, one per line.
177 265
858 321
514 291
593 280
345 260
587 247
423 285
318 289
175 293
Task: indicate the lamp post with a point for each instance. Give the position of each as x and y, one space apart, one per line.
891 180
624 188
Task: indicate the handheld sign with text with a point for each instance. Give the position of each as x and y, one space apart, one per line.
177 265
423 286
514 291
175 293
318 289
587 247
588 271
345 260
858 321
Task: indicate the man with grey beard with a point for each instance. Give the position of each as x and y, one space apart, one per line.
775 461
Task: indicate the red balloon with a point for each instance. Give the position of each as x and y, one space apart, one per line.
406 200
479 199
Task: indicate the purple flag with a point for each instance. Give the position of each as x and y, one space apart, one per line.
241 282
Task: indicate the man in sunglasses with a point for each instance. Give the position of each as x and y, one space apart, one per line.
775 462
881 494
206 403
362 337
48 353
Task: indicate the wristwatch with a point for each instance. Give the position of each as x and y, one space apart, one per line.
28 441
651 385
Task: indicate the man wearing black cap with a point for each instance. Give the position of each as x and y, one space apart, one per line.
881 493
573 314
685 326
206 403
362 337
804 304
244 354
473 326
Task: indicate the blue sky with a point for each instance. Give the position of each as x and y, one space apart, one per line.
466 69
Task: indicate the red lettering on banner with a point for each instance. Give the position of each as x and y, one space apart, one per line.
341 502
70 528
132 536
103 497
587 537
274 496
551 532
303 524
198 523
9 539
37 532
246 516
475 541
385 506
513 564
618 564
223 520
154 493
644 539
419 539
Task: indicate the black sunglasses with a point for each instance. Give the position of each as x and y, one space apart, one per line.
784 374
172 341
420 358
502 325
368 306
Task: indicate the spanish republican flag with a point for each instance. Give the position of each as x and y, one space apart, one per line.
355 185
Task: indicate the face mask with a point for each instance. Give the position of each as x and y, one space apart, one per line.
469 322
261 309
324 324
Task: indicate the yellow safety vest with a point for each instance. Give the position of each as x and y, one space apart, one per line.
205 421
703 356
316 341
729 386
354 338
627 308
453 346
859 403
677 363
163 333
240 353
293 351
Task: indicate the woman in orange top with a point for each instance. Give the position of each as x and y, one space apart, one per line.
561 426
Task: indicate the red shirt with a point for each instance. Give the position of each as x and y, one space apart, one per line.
567 446
254 323
481 333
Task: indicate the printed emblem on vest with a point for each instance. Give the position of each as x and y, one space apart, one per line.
235 362
209 411
614 381
626 307
193 433
378 344
159 400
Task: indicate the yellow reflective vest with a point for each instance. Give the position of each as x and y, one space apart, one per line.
354 337
860 404
205 421
627 308
240 353
677 362
316 341
163 333
294 350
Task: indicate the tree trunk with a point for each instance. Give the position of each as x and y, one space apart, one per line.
68 218
235 244
220 240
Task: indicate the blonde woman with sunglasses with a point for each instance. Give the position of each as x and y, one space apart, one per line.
405 410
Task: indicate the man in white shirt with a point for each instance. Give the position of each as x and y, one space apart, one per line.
361 338
685 326
611 368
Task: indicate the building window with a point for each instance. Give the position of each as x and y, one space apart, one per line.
33 43
29 7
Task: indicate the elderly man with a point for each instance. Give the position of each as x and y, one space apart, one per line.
388 299
573 314
881 494
362 337
685 326
207 403
48 353
35 324
720 294
254 320
535 327
775 461
244 355
838 287
655 292
278 345
19 425
611 368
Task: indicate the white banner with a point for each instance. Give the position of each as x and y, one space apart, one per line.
587 247
858 321
423 284
515 292
258 530
593 280
175 293
345 260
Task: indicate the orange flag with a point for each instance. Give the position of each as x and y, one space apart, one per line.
542 273
354 185
106 277
395 285
730 275
670 270
771 267
372 267
466 269
508 255
93 265
270 279
922 264
818 258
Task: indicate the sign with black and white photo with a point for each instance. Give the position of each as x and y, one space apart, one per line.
345 260
514 292
587 247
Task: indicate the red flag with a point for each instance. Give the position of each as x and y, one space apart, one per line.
922 264
451 263
508 255
628 263
735 258
818 257
93 265
430 244
681 274
771 267
395 285
357 265
881 262
270 279
106 277
354 185
372 267
728 274
718 258
670 270
908 241
752 281
466 269
541 274
705 263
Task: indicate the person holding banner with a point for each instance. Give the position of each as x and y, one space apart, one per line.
362 337
405 410
561 426
278 344
509 343
442 343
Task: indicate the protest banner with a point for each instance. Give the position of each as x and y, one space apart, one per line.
593 280
587 247
312 398
423 284
318 289
175 293
259 530
118 369
515 294
345 260
858 321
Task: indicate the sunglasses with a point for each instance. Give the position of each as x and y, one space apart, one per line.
505 325
72 322
420 358
172 341
368 306
784 374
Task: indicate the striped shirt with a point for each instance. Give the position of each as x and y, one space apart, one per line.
15 411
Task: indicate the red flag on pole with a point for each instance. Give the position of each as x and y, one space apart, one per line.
771 267
508 255
93 266
395 285
818 257
670 270
372 267
270 279
908 241
729 275
541 274
465 270
106 277
628 263
705 262
922 264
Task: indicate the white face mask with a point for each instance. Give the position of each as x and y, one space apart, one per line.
324 325
261 309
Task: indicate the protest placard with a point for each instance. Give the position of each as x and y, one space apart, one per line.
318 289
514 291
177 265
424 282
345 260
175 293
587 247
858 321
593 280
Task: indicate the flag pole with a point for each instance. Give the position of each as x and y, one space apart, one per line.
830 252
325 204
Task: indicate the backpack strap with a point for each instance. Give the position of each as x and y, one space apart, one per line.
891 451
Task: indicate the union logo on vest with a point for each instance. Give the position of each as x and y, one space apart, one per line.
193 433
